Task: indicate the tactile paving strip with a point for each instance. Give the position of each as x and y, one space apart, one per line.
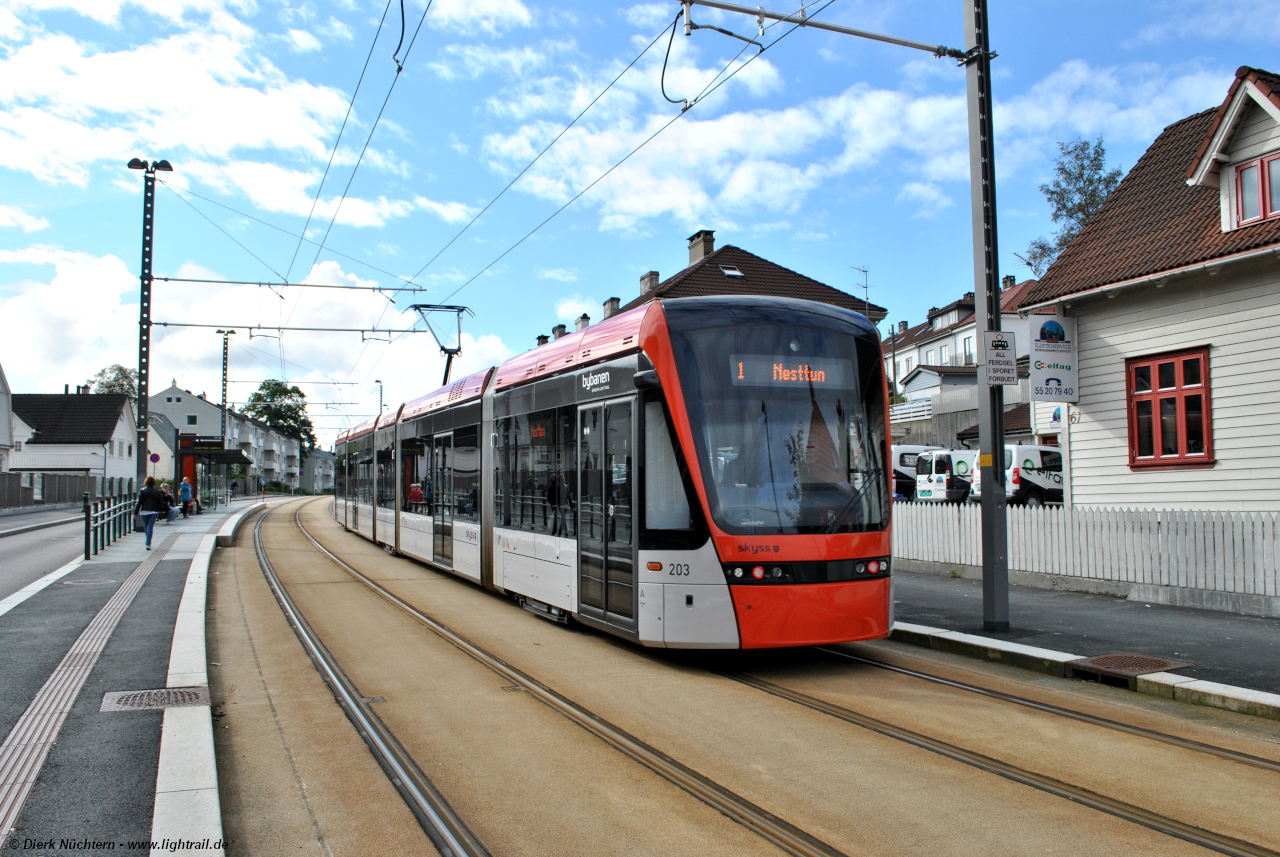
23 753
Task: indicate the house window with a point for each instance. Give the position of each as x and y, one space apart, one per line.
177 398
168 398
1170 412
911 363
191 419
1258 189
928 358
131 450
968 349
944 353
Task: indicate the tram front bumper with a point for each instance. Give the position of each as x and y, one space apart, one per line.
811 614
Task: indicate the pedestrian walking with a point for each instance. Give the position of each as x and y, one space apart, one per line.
150 505
184 493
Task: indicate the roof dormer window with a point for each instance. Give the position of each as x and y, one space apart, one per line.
1258 189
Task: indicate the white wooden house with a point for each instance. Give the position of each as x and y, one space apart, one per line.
1175 288
92 434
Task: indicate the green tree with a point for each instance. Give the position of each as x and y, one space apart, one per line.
1080 185
116 379
284 408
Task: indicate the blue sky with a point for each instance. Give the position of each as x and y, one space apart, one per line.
823 153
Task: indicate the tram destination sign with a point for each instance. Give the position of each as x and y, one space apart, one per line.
1000 358
791 370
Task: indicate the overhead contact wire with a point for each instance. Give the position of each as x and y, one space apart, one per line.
350 106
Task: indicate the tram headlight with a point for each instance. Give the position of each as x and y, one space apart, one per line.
776 571
737 572
861 567
758 572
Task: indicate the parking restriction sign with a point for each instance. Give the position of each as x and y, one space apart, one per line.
999 358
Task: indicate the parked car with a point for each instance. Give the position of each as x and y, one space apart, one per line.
904 468
1032 476
942 476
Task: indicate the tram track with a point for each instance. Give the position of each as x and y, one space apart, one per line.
1103 803
443 827
1092 719
783 834
760 821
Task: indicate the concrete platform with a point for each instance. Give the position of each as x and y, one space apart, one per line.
1235 659
74 777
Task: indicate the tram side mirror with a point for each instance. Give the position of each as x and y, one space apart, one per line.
647 380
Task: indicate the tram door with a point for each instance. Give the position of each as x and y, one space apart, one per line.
606 545
442 498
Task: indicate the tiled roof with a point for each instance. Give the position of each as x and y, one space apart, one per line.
762 277
1017 420
1152 222
70 418
1011 297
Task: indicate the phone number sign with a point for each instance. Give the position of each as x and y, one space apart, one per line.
1055 371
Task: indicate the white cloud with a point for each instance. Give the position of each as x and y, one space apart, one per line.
715 165
449 212
568 308
108 11
470 16
300 41
457 145
207 95
472 61
42 254
647 15
1209 19
927 195
337 30
13 217
562 274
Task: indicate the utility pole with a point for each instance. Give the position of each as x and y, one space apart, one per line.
893 344
976 59
225 335
986 279
379 383
144 305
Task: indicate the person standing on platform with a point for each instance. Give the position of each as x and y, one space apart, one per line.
184 493
150 505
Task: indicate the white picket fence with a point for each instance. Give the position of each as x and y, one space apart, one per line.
1214 551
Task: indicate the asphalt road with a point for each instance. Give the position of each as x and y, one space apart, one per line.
27 557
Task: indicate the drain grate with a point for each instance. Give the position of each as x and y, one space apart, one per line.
155 700
1121 669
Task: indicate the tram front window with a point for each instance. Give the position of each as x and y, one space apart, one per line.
789 425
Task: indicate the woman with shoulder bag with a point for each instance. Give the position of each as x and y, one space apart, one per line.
150 505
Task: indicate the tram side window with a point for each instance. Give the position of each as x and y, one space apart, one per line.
413 474
340 473
364 471
535 485
466 474
666 507
386 470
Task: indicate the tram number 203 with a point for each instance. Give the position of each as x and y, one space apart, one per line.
678 569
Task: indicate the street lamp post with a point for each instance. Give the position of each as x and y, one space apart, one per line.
144 304
225 341
379 383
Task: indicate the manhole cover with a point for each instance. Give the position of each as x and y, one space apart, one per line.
154 700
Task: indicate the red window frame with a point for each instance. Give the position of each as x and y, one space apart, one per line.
1156 400
1264 191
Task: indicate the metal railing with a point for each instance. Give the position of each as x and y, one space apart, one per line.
106 520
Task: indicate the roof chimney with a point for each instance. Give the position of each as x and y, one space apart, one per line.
583 322
543 339
1007 282
558 331
902 327
701 243
611 307
648 282
66 389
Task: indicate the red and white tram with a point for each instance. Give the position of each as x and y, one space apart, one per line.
694 473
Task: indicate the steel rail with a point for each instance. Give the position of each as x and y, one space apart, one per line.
1112 806
1185 743
765 824
443 827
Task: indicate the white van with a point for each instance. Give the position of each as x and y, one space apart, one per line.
904 468
942 476
1032 476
